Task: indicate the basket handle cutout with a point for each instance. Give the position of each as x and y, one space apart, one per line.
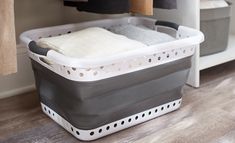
168 24
33 47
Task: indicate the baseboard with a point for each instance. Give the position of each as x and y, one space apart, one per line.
17 91
20 82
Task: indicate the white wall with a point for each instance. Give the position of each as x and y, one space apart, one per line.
186 14
233 17
20 82
30 14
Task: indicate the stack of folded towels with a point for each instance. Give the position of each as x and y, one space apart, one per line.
98 42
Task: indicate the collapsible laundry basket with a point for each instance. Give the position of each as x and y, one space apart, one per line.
94 98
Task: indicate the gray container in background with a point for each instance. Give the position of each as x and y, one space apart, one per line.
215 25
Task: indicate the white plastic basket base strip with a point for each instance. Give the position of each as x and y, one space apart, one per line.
92 70
88 135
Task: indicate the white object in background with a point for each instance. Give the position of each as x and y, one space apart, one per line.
211 4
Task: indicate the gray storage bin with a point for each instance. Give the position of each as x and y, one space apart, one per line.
215 25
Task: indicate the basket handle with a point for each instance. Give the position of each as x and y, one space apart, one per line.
168 24
33 47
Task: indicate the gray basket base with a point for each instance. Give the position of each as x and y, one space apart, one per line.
93 134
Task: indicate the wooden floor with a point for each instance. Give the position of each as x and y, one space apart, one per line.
207 116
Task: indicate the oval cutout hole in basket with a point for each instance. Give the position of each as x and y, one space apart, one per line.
100 130
122 122
81 74
47 62
107 128
143 115
136 118
95 73
92 133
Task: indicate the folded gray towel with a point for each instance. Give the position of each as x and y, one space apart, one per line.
142 34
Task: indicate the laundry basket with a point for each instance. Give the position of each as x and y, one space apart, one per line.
94 98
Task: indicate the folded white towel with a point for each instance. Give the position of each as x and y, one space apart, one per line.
142 34
90 43
210 4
